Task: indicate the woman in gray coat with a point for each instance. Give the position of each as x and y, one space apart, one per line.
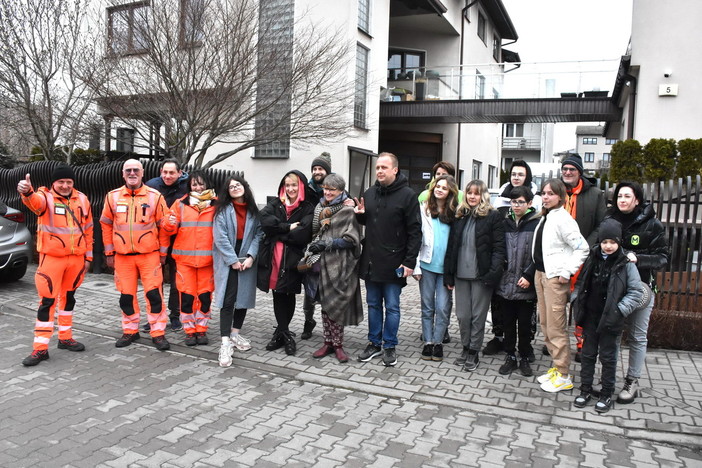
237 234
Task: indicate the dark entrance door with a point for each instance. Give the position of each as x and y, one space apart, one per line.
417 153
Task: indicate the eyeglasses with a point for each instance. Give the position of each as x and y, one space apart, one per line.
135 170
235 187
568 169
331 189
518 202
517 174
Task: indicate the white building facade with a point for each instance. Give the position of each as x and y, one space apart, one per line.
593 147
416 44
659 87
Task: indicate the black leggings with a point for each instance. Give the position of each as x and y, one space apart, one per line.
229 317
284 308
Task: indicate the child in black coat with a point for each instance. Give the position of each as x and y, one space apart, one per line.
609 288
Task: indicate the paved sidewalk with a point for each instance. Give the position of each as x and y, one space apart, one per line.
178 408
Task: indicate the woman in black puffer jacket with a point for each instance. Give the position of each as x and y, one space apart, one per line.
473 265
287 225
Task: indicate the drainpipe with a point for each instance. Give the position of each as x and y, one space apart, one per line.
632 106
460 86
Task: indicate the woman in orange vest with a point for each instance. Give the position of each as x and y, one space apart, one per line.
190 220
237 234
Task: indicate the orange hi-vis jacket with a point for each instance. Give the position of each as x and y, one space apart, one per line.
60 233
131 221
193 243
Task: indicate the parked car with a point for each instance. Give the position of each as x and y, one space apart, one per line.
15 244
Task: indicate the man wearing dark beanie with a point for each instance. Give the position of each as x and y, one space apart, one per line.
586 204
321 167
65 245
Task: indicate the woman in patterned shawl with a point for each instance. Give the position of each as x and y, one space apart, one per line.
335 251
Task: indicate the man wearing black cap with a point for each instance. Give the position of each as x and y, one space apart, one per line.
321 167
586 204
65 245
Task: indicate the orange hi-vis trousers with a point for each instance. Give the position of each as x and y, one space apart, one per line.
129 269
56 278
195 285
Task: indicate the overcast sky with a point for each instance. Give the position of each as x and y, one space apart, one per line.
568 30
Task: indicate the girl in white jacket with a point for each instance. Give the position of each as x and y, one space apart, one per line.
438 212
558 251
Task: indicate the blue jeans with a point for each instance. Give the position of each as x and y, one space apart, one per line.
638 339
436 306
383 326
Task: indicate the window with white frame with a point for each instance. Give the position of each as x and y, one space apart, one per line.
605 157
127 28
492 176
589 157
514 130
479 85
125 140
192 30
361 94
477 166
364 9
272 126
482 27
589 141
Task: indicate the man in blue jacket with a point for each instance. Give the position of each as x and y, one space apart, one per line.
173 185
390 211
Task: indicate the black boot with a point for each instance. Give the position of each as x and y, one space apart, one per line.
289 342
276 342
307 329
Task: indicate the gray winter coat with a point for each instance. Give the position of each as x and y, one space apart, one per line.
518 240
224 256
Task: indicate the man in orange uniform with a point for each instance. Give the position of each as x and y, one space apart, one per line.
131 221
65 245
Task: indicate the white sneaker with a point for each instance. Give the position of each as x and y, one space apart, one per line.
547 376
225 355
240 343
557 383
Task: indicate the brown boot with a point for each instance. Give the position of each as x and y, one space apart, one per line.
341 354
325 350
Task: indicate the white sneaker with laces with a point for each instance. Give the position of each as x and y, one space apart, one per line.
225 355
557 383
547 376
240 343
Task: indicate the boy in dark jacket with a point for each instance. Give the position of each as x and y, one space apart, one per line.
608 290
515 291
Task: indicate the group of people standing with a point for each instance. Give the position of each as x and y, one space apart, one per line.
523 254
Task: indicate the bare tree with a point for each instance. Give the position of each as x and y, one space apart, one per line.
47 53
189 74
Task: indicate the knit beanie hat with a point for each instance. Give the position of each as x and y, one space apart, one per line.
610 229
323 161
63 171
574 160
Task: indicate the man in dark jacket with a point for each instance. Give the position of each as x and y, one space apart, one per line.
390 211
586 204
173 184
321 167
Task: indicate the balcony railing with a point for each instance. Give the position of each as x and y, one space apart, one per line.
503 81
521 143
